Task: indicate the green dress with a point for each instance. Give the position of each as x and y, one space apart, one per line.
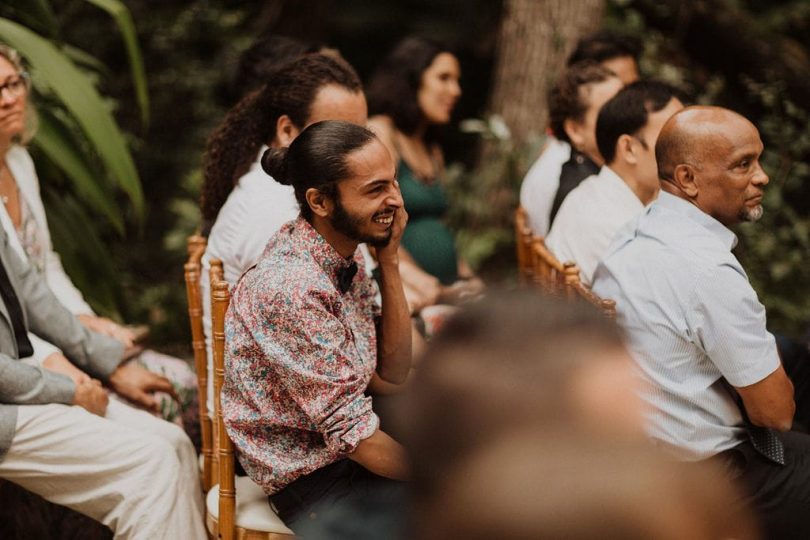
426 237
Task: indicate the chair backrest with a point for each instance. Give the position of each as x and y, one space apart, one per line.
216 273
523 245
195 245
548 272
577 289
192 270
221 297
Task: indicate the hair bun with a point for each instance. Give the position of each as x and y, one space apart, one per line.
274 163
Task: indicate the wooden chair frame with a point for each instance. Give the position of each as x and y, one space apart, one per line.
539 267
192 271
577 289
225 526
215 274
548 272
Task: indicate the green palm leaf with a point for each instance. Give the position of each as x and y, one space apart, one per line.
123 19
84 59
56 141
83 254
81 99
37 14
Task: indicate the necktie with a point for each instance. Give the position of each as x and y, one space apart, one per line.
345 277
15 313
574 171
764 440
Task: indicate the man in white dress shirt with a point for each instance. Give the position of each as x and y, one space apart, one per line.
571 154
695 327
626 131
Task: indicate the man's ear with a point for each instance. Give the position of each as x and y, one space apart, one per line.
286 131
685 178
626 150
574 130
320 204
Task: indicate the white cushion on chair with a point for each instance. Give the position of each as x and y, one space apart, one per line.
252 508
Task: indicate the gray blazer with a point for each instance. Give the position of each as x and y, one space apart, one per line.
22 384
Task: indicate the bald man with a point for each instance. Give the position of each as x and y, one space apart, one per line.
695 326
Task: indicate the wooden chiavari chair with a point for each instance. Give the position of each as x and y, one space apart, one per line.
192 269
578 290
548 272
237 508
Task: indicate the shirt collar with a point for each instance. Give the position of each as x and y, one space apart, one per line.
306 237
694 213
610 175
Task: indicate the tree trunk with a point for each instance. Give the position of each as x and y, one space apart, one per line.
535 39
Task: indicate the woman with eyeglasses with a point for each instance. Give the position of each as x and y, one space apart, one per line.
164 385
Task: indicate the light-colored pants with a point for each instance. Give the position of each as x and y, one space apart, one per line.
134 473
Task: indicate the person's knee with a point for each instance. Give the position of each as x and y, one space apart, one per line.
179 441
157 452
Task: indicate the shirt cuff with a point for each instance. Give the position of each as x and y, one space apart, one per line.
353 423
57 388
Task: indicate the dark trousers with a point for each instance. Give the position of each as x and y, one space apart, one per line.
796 360
343 484
779 494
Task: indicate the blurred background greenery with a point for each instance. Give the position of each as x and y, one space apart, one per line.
750 55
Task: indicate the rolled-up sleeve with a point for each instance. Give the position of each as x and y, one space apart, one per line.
728 322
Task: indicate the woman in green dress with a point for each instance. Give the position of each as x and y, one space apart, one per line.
410 96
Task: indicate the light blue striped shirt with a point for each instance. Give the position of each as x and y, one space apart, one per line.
691 317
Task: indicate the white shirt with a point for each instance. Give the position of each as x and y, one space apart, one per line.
541 183
22 168
589 218
255 210
691 318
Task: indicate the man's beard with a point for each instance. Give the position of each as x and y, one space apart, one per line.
350 225
752 214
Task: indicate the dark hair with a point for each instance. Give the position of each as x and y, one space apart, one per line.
233 146
316 159
505 361
265 56
603 46
395 84
628 111
566 100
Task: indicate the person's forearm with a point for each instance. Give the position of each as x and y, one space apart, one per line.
394 335
379 387
382 455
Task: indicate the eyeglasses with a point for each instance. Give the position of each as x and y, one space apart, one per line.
16 87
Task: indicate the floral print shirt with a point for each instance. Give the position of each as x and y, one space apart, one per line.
299 356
